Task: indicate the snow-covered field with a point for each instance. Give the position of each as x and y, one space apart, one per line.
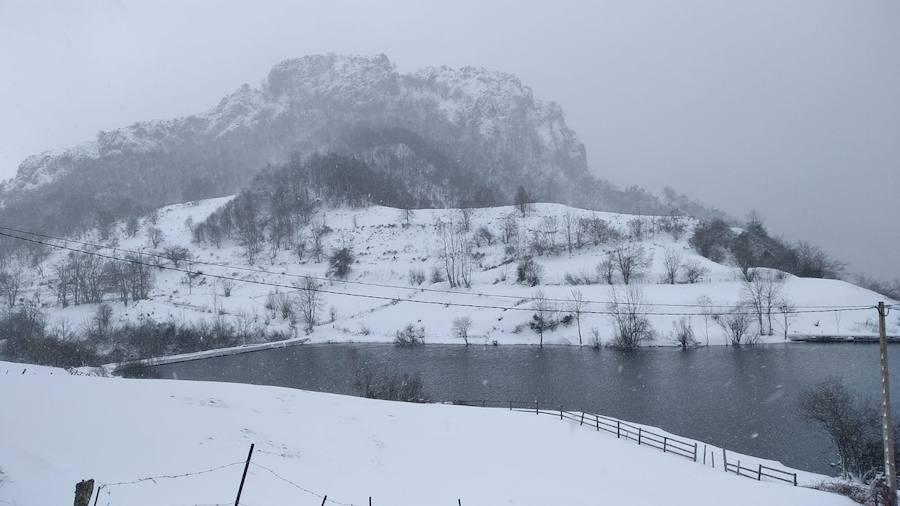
59 429
386 251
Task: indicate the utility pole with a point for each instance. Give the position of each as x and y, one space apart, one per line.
890 470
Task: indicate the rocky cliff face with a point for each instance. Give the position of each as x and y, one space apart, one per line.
440 128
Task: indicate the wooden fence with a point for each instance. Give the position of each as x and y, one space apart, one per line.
642 436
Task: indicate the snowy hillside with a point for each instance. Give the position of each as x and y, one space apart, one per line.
59 429
378 297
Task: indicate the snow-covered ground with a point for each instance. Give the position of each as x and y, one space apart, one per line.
386 251
59 429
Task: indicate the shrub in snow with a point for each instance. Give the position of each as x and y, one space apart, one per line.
694 272
483 236
736 324
177 254
596 342
377 383
437 275
528 272
578 278
416 277
411 335
227 285
683 332
629 317
340 261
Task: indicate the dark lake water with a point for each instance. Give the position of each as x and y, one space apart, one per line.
743 399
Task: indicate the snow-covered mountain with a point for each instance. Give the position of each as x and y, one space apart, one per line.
457 136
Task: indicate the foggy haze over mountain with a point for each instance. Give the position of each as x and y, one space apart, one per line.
791 109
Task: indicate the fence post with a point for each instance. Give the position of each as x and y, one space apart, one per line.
695 452
795 479
244 476
560 412
582 418
370 500
537 406
510 405
759 473
84 489
618 427
639 436
665 443
597 419
724 460
704 453
713 457
324 499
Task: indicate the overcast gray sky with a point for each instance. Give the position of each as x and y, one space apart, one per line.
792 108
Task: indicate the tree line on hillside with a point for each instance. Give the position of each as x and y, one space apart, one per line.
754 247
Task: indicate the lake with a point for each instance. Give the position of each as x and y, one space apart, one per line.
744 399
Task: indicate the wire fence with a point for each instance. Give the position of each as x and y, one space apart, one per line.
642 436
688 449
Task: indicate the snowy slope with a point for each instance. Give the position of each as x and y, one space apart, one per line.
60 429
386 251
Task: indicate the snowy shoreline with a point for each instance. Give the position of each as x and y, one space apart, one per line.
251 348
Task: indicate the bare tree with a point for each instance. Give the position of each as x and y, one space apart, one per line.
227 285
465 218
631 260
706 311
544 317
683 332
510 228
318 247
456 254
570 226
310 302
852 423
694 272
736 324
11 283
637 229
762 294
672 266
102 320
406 215
461 328
788 314
522 200
131 226
155 237
177 255
606 269
628 313
249 224
576 307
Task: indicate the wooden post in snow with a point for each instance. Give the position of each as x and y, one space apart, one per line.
84 489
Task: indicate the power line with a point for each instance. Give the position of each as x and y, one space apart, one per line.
391 299
399 287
